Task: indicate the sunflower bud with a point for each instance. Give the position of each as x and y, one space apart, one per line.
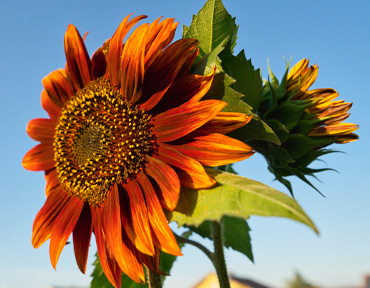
306 122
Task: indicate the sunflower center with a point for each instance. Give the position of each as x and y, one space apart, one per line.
100 140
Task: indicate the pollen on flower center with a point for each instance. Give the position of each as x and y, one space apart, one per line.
100 140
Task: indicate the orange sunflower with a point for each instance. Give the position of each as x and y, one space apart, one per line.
127 129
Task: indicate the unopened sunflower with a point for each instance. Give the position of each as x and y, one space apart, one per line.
127 129
306 122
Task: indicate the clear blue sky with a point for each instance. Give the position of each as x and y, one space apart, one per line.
333 34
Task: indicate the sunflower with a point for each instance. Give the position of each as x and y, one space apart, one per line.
306 122
126 129
328 113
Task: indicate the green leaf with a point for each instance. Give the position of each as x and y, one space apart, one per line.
235 232
235 196
211 26
248 81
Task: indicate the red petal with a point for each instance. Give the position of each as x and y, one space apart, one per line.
216 150
63 227
160 75
98 63
115 49
42 130
40 157
167 180
78 60
157 218
226 122
132 64
180 121
81 237
44 222
189 88
110 267
139 217
112 227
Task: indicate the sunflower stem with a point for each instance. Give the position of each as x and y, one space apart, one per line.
155 280
219 256
196 244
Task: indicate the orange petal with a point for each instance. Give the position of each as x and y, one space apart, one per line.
226 122
42 130
216 150
191 172
160 75
78 60
112 227
115 49
180 121
110 266
81 237
334 130
159 36
132 64
59 87
157 218
52 182
40 157
167 180
139 217
44 222
49 106
63 227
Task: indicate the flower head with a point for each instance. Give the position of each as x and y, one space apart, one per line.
306 121
126 129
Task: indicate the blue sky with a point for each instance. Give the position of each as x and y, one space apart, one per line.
336 37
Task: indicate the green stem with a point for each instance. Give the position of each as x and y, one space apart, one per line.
155 280
196 244
219 256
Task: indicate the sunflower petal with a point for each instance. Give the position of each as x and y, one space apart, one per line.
191 172
98 63
167 180
115 49
190 88
78 60
216 150
44 222
163 71
81 237
52 182
112 227
132 63
139 216
63 227
42 130
159 36
40 157
226 122
110 266
180 121
157 218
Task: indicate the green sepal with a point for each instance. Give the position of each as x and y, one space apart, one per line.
288 113
299 145
280 130
234 196
235 232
